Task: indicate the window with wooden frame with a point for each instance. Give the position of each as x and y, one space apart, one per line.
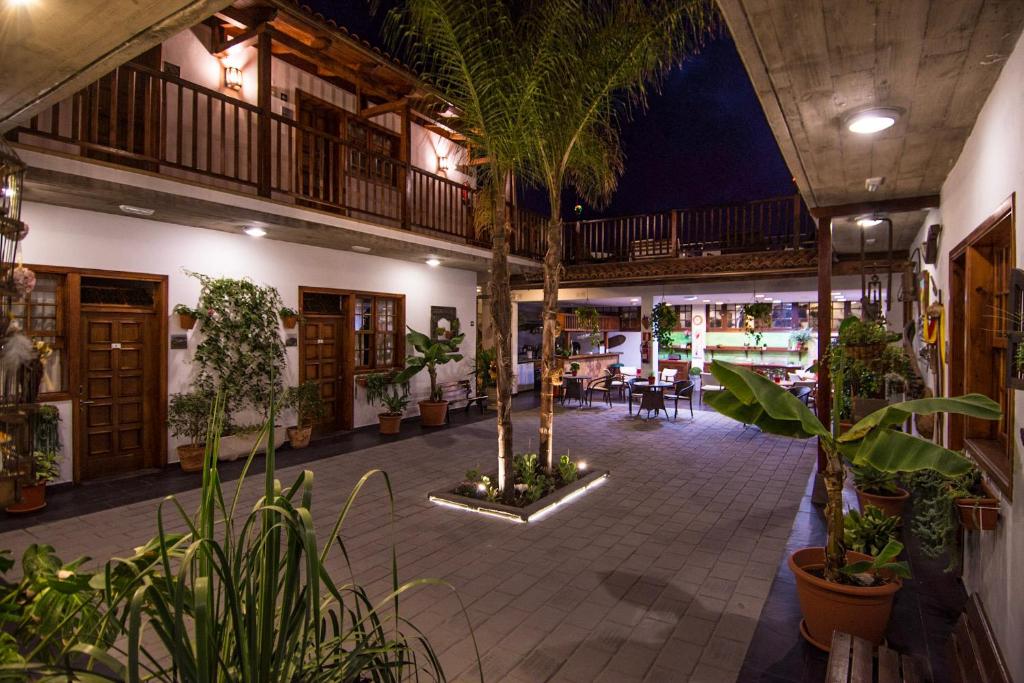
373 152
980 272
43 318
379 323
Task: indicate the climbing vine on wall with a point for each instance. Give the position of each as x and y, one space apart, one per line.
241 353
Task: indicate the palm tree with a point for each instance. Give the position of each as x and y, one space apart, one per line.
469 51
591 67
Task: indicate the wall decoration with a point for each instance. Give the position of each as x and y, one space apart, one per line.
441 319
1015 331
616 340
179 341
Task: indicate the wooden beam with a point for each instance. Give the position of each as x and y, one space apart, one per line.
881 206
246 37
245 18
263 140
386 108
445 132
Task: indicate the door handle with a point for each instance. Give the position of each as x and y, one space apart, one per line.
86 403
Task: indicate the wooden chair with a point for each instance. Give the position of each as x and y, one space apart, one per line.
682 391
669 375
602 385
803 394
708 383
851 660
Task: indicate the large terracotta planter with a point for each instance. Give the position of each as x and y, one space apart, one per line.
433 413
827 607
191 457
390 423
891 505
978 514
33 498
298 437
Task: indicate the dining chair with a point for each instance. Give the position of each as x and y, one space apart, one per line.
682 391
602 385
802 393
708 383
807 384
669 375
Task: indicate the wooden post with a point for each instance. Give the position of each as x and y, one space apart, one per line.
263 142
405 152
823 400
674 230
796 225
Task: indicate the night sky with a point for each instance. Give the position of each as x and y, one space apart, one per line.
704 140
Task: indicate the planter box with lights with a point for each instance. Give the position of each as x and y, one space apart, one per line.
529 513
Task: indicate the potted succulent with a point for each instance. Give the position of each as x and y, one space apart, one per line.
289 317
574 368
878 488
838 588
381 389
186 316
188 416
431 353
309 408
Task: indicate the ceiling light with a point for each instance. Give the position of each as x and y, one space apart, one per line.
360 248
759 296
634 301
707 301
868 221
718 303
872 120
872 184
433 262
870 240
689 298
136 210
255 231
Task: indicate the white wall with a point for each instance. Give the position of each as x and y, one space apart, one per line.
991 168
84 239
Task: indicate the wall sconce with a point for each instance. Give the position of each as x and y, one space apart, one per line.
443 164
233 77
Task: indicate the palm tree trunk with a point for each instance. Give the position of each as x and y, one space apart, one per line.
835 551
501 314
549 317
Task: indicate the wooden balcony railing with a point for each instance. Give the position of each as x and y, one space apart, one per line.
763 225
150 120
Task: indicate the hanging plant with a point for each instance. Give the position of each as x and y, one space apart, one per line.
756 317
241 353
589 320
664 319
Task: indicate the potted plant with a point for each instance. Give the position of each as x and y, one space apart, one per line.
187 316
188 416
432 353
864 339
574 368
589 320
652 378
838 588
309 408
869 531
942 505
801 338
664 319
756 317
381 389
878 488
289 317
46 457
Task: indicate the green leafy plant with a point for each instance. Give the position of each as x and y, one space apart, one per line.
46 447
473 475
756 317
869 531
574 367
935 521
664 319
182 309
307 403
383 389
1018 358
755 400
589 320
871 480
856 332
567 470
188 416
694 371
46 466
871 572
801 337
286 312
432 353
485 368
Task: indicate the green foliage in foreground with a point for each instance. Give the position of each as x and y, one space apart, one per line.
233 596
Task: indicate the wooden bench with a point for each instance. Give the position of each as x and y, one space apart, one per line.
461 393
852 660
972 652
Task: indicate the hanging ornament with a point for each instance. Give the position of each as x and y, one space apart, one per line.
24 281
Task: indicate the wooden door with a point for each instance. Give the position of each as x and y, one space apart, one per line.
322 342
118 393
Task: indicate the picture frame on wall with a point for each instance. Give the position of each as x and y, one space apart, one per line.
441 320
1015 331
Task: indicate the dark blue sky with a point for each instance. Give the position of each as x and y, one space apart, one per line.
704 139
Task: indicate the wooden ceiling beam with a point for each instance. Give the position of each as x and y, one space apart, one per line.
882 206
245 18
386 108
246 37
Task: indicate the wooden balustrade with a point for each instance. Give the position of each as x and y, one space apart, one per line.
437 204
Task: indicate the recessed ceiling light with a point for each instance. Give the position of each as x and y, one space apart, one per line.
635 301
868 221
136 210
433 262
768 298
759 296
707 301
872 120
255 231
870 240
360 248
689 298
718 303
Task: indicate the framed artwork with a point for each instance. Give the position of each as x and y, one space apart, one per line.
441 320
1014 327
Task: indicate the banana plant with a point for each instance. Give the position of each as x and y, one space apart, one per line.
755 400
433 352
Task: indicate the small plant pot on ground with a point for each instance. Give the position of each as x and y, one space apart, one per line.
33 497
978 514
298 437
390 423
892 504
433 413
191 457
862 611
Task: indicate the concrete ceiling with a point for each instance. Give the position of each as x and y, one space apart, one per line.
52 48
814 62
846 233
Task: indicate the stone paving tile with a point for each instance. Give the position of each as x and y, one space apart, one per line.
659 574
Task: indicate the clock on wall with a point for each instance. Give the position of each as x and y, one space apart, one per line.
698 320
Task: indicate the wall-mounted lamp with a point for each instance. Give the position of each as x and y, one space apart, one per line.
233 77
443 164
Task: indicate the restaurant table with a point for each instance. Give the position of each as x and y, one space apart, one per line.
652 398
575 387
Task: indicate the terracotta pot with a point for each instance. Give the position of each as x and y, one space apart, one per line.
390 423
298 437
186 321
652 380
432 413
191 457
33 497
827 607
6 492
891 505
978 514
289 321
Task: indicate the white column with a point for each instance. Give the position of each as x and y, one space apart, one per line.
646 306
515 345
699 336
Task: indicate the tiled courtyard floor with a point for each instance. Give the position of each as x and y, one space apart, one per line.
659 574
